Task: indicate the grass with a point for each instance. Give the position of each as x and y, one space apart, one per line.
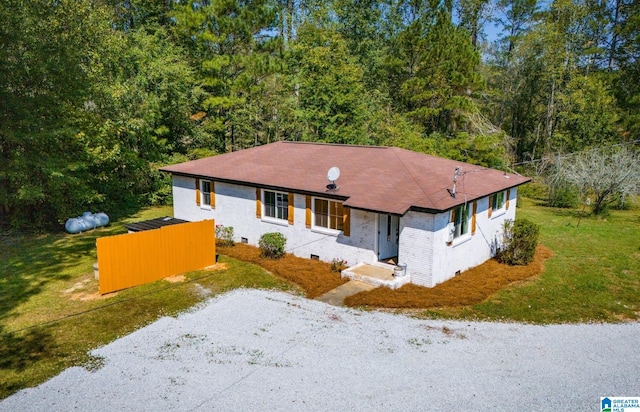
51 315
593 276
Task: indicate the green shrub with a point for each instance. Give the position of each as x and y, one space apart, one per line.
224 235
272 245
534 190
519 243
564 197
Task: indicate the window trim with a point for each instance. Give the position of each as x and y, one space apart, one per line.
453 217
493 204
328 229
203 193
275 219
458 221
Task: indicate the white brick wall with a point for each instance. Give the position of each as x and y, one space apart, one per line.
476 249
422 244
236 206
416 246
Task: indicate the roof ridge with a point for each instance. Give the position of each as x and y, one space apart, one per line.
395 152
335 144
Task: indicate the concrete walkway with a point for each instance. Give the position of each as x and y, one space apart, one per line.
336 296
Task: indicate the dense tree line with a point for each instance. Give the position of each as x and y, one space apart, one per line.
96 94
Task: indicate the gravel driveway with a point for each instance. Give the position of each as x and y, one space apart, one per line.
252 350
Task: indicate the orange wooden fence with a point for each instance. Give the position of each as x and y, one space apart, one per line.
137 258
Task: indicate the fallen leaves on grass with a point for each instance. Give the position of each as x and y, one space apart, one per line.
314 277
469 288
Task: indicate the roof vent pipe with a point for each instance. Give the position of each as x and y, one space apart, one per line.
452 192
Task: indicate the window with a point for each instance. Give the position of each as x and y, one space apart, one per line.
276 205
205 193
328 214
498 201
460 218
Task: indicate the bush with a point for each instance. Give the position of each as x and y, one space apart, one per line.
338 265
564 197
520 242
272 245
224 235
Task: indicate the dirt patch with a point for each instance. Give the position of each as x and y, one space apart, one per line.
176 279
81 284
84 296
217 266
86 289
469 288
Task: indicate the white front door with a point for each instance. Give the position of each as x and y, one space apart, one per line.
388 227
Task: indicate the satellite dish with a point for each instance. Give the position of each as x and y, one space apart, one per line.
332 175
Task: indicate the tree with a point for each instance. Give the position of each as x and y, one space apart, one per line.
553 92
587 114
134 14
627 58
607 174
330 90
143 95
472 15
46 61
432 71
229 43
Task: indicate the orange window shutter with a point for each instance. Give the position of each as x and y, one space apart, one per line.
473 217
490 205
258 203
307 214
290 208
198 192
213 194
506 205
346 221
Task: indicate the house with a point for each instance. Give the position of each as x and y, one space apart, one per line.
436 216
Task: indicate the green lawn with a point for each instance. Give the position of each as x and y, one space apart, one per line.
594 274
50 313
46 325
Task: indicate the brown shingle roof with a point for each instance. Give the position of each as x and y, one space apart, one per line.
382 179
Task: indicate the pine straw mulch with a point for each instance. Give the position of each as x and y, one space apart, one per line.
313 276
469 288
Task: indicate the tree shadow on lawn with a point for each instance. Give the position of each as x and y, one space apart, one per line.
18 352
32 261
471 287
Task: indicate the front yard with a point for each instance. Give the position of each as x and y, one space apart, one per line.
51 315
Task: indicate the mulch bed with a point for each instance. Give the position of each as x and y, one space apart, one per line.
313 276
469 288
